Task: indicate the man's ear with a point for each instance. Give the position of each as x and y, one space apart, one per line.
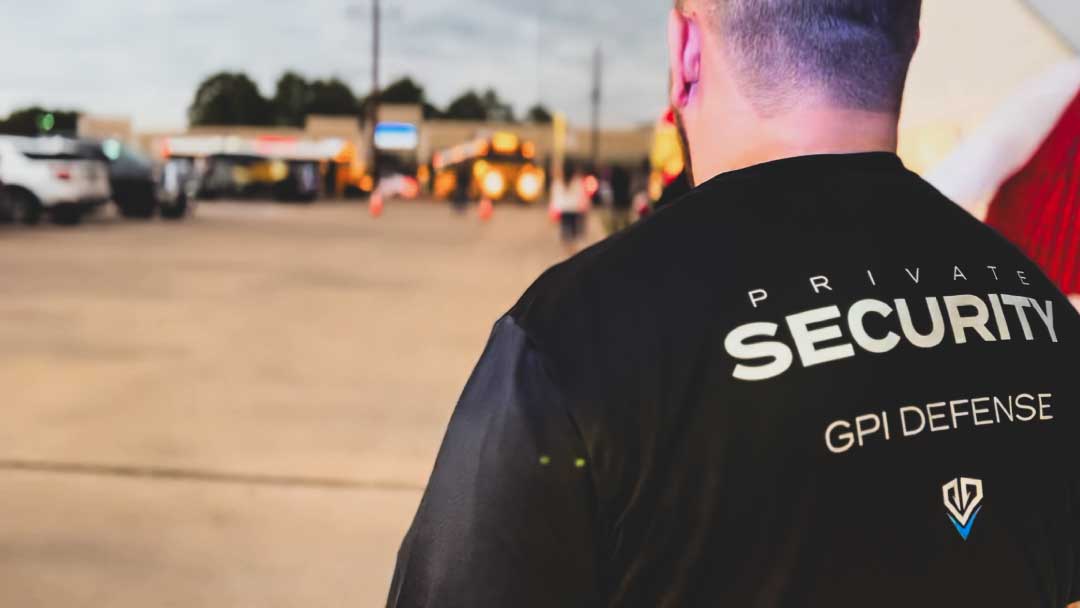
684 57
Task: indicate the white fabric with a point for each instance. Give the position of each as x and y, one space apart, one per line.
568 198
980 164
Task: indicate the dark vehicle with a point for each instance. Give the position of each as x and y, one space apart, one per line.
7 212
226 176
135 186
179 185
131 179
301 183
250 176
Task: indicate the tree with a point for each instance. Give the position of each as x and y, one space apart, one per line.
471 105
230 98
403 90
295 98
539 115
497 109
467 106
431 112
37 120
332 97
291 99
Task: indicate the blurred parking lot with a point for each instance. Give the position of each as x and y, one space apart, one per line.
240 409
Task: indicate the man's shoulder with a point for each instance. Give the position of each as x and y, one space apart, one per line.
573 290
621 270
613 297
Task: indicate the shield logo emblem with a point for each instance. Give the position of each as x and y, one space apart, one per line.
963 501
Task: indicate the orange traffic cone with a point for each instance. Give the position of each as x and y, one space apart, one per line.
375 206
486 209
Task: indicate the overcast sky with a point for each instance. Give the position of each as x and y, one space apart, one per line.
145 58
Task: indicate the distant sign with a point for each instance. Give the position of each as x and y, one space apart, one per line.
396 136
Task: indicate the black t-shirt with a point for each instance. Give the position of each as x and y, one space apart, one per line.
812 382
674 191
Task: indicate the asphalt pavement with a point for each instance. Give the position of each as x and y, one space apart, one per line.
240 409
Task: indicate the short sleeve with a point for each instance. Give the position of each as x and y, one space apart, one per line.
1074 593
507 516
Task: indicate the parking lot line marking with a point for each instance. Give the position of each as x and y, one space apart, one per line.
157 473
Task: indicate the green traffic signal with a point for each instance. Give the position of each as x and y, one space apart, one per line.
46 122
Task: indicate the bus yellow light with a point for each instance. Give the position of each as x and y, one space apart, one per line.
480 169
445 184
529 185
505 143
277 171
494 185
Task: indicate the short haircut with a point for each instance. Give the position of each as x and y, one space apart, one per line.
856 52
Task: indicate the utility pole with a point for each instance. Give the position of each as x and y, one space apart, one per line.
539 53
598 73
371 112
373 98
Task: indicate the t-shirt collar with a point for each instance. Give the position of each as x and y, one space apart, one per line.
816 163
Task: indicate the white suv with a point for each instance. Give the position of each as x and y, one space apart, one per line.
53 175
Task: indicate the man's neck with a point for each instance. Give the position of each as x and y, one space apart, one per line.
740 144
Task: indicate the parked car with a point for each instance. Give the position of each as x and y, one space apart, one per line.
131 179
50 175
140 188
179 183
301 183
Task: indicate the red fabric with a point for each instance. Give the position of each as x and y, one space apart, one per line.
1038 208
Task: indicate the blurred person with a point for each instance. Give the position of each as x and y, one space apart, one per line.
598 185
823 383
462 184
604 195
642 201
570 200
621 199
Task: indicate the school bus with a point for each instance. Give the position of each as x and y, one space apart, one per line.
500 167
